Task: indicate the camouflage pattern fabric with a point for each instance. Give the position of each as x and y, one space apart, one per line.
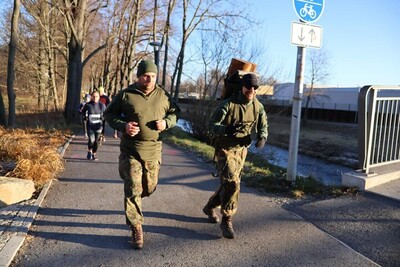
230 163
140 180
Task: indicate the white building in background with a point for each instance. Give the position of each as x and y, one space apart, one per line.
323 97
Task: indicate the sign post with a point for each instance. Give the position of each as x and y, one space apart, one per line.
296 115
307 11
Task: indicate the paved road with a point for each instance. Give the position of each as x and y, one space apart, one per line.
81 222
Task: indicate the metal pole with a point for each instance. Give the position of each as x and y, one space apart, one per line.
156 46
157 60
296 115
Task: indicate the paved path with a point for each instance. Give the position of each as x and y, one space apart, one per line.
81 222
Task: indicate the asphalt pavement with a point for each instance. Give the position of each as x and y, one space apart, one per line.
78 220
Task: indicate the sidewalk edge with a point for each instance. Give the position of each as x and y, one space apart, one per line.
334 238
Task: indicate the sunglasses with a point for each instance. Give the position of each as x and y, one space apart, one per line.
248 87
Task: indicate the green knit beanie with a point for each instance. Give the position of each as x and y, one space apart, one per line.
146 66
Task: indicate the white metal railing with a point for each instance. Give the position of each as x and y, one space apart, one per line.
379 122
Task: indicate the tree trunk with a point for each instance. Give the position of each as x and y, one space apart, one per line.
3 120
51 72
42 74
180 70
171 5
75 15
10 65
74 82
127 70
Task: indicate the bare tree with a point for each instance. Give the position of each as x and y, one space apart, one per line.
76 13
198 16
217 47
43 12
42 77
318 72
113 53
129 49
10 66
51 53
3 120
204 10
166 36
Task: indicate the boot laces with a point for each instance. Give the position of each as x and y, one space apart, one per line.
137 232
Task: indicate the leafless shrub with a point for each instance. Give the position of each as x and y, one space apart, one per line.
198 117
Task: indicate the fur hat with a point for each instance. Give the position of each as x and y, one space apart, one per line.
146 66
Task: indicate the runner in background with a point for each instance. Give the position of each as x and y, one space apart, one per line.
106 101
86 100
115 131
94 111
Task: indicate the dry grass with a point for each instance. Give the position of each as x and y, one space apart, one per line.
31 154
30 151
258 173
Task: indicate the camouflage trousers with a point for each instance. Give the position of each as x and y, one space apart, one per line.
140 180
230 165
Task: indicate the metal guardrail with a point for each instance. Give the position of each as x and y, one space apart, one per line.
379 126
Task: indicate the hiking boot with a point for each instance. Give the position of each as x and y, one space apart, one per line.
137 236
227 227
210 212
89 155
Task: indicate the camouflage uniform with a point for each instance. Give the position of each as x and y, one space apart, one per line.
140 158
140 180
231 150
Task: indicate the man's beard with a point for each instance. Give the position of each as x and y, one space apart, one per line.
146 87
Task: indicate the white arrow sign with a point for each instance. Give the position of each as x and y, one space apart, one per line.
306 35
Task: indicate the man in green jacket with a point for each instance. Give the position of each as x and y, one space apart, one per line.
233 122
140 112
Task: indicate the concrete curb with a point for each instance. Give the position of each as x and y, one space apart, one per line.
26 216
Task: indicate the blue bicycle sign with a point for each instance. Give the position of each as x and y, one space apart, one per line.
308 10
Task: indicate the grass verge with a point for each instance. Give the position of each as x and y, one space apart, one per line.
258 173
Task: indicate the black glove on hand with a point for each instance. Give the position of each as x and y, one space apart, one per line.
261 143
230 129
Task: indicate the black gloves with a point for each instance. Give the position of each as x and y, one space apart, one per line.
231 129
261 143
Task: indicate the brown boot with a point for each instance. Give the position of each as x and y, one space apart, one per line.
210 212
227 227
137 236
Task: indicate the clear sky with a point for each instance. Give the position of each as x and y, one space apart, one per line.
362 38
